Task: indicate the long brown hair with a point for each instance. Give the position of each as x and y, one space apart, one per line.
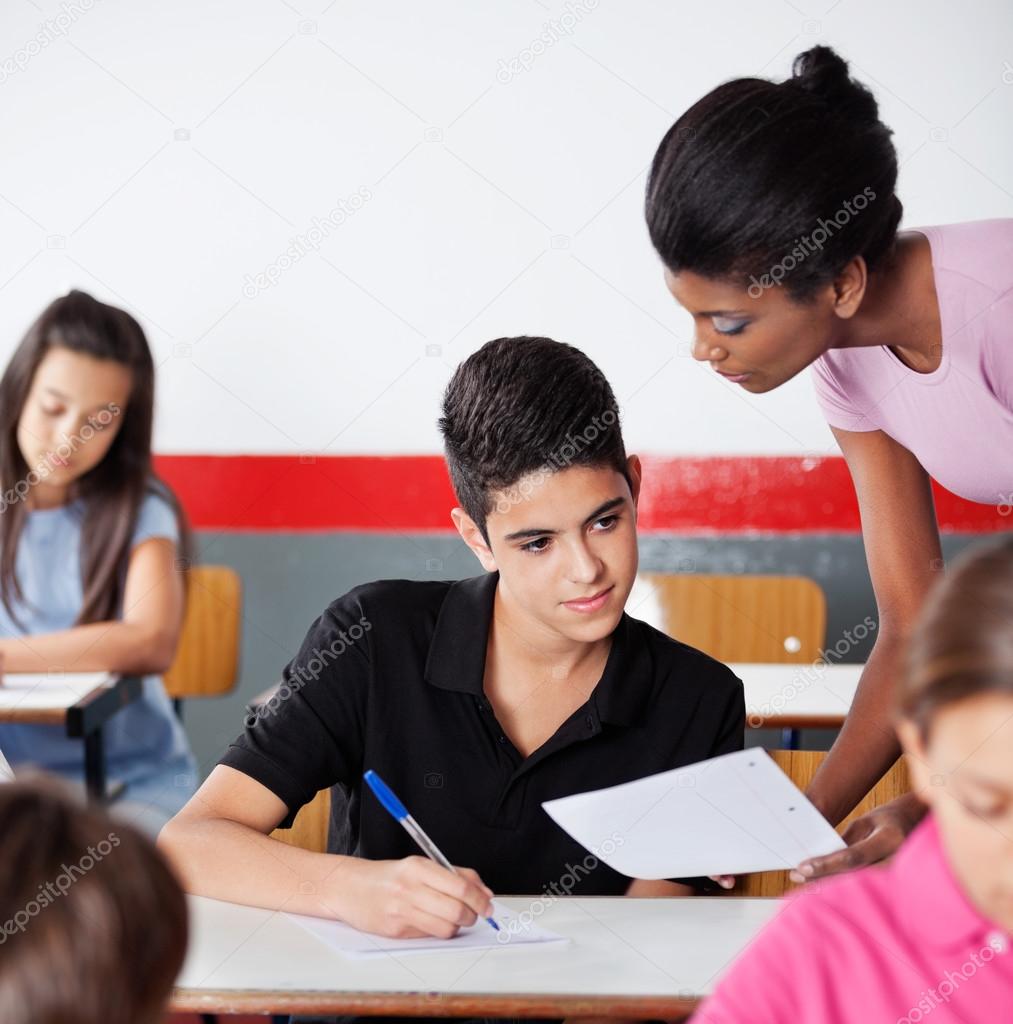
93 923
114 489
963 643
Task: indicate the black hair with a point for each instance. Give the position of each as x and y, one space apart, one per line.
759 175
525 405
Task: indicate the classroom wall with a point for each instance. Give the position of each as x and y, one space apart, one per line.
316 210
443 173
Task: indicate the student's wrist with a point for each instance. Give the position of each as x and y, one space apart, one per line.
340 883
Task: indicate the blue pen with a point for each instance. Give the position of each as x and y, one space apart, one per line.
400 813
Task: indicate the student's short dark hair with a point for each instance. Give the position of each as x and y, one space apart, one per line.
757 173
962 645
525 405
93 923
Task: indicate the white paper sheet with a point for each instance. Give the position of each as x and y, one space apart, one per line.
730 815
6 772
352 943
46 690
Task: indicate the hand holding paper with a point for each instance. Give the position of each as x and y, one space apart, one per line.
729 815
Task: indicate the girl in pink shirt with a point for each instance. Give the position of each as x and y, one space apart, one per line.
926 938
773 207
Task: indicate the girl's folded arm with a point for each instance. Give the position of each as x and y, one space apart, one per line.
143 642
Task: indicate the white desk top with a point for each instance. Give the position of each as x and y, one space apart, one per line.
37 691
242 958
787 695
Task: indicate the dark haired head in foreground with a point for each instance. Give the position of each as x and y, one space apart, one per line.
93 924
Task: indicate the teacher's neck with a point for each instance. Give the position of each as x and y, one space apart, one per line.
900 308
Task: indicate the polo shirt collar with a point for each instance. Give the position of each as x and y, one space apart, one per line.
936 908
457 651
456 659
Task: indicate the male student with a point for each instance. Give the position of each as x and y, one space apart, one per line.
474 700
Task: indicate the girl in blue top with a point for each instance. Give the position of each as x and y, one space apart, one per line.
90 545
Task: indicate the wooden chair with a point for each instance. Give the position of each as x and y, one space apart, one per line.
207 659
777 619
309 830
800 766
780 619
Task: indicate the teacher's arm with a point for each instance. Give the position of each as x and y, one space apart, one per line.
903 551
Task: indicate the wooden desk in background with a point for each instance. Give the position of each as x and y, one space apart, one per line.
785 696
80 702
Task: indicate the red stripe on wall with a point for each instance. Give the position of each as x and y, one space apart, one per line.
412 493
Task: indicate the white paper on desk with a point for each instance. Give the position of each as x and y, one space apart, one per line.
54 680
350 942
730 815
41 690
6 772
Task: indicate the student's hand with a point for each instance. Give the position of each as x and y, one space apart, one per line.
871 838
413 897
1 668
725 881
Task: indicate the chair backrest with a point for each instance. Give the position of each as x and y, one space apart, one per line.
800 766
309 830
207 659
743 618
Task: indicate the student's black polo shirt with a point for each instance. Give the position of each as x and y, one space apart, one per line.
390 678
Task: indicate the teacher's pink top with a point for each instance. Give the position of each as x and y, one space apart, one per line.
885 945
957 420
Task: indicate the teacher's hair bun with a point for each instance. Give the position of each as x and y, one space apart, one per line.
822 72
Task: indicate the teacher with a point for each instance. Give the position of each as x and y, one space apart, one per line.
772 207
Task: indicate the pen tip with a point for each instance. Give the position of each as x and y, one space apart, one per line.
493 923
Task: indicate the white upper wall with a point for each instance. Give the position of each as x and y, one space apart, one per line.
162 155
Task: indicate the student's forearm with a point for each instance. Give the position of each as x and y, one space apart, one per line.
106 646
867 744
228 861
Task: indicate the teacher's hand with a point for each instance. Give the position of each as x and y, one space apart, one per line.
870 838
